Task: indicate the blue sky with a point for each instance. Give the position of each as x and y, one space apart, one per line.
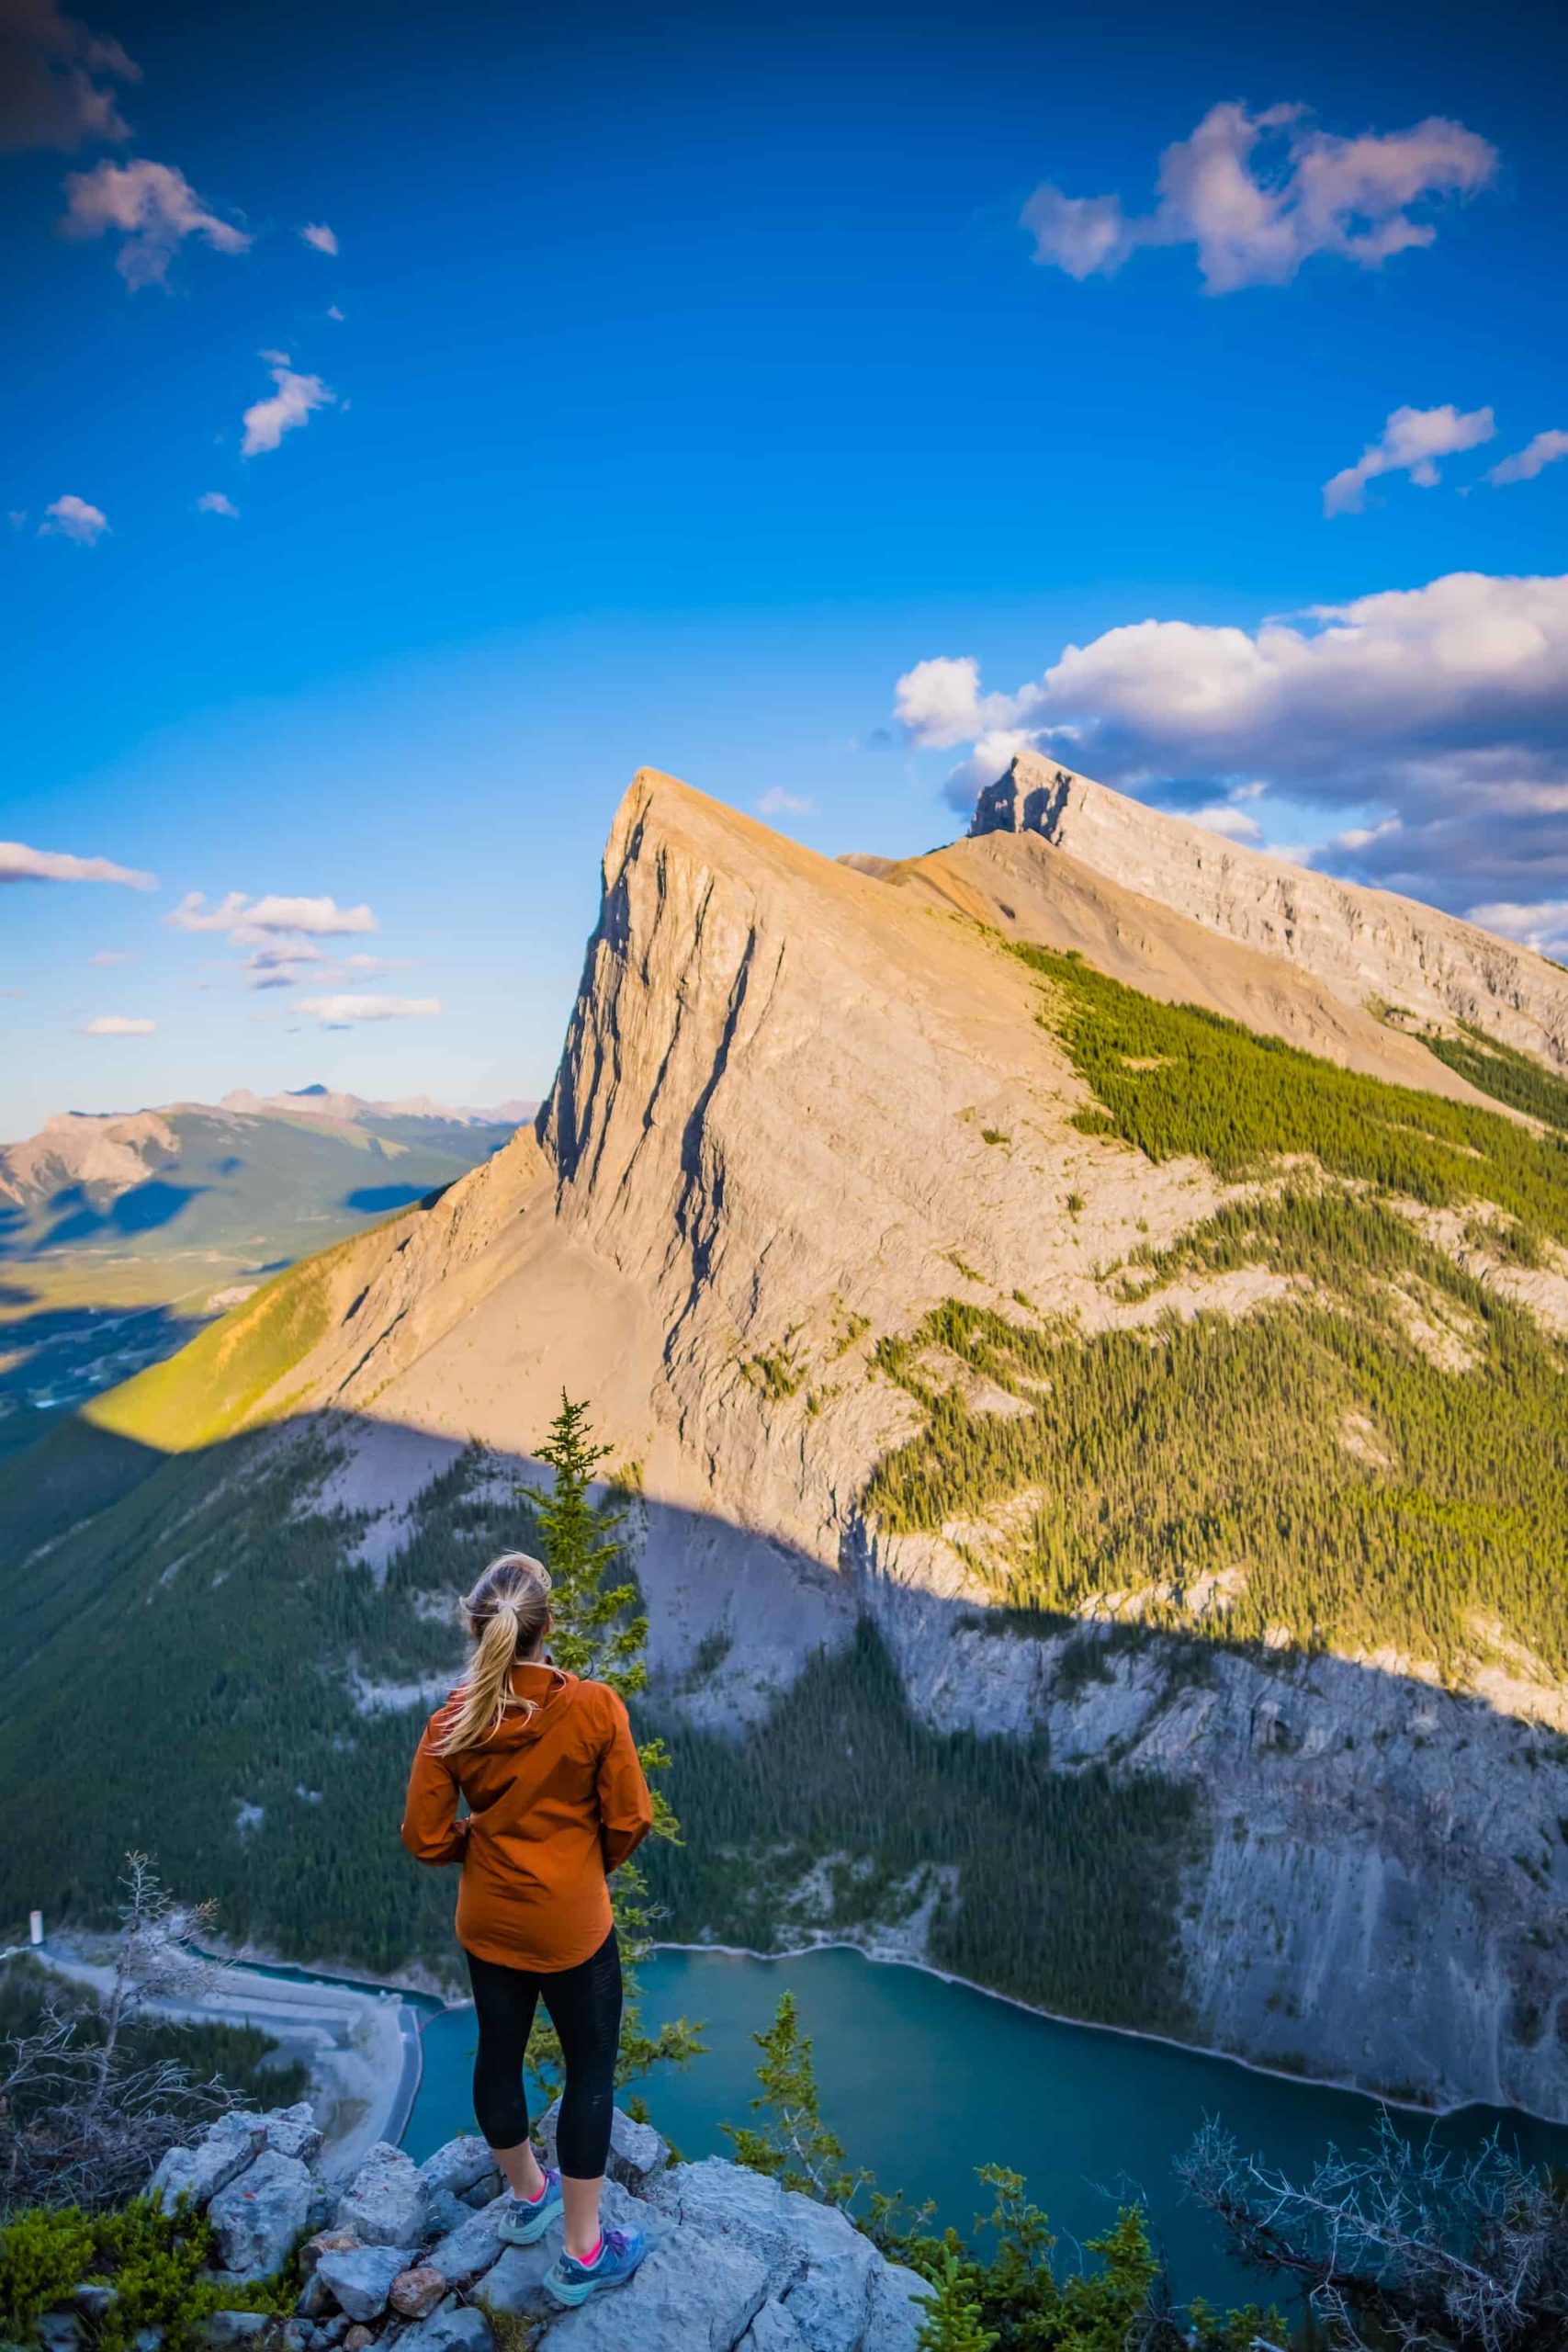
696 380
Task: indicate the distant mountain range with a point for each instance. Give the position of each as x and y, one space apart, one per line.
122 1233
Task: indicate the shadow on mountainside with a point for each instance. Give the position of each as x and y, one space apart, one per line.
1307 1860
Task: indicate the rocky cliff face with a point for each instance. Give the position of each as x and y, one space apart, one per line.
800 1105
1362 944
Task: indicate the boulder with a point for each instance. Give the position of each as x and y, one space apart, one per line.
444 2212
895 2309
358 2338
198 2172
638 2155
467 2250
260 2216
459 2165
359 2279
415 2292
483 2192
292 2132
58 2331
773 2330
689 2296
324 2242
516 2283
451 2327
383 2204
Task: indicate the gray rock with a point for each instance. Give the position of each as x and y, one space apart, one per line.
325 2242
59 2331
359 2279
515 2283
261 2214
222 2330
444 2212
773 2330
453 2327
458 2165
292 2132
691 2295
417 2290
637 2153
483 2192
828 2303
467 2250
147 2339
93 2299
332 2331
895 2309
224 2149
295 2335
383 2204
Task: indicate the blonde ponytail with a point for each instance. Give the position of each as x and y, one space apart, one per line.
505 1616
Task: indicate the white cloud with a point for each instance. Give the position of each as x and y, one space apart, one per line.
20 863
113 955
254 921
1542 925
333 312
341 1012
267 421
1444 707
1257 194
777 802
214 502
1532 459
316 236
118 1025
1410 442
57 79
153 208
71 518
1225 817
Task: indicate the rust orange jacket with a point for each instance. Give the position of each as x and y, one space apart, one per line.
557 1799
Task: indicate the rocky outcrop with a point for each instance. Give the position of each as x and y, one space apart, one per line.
1361 944
735 2264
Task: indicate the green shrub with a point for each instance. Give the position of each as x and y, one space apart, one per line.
152 2260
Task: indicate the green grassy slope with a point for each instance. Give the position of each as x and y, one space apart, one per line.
1374 1459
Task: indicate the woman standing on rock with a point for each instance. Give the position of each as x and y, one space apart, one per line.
557 1799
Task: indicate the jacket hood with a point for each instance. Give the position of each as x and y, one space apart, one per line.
553 1691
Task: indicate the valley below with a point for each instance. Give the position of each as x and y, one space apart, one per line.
1081 1342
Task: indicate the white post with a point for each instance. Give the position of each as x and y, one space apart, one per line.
35 1926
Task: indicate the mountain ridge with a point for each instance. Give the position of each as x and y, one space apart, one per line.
829 1168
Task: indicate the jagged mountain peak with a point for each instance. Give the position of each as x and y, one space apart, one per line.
1366 946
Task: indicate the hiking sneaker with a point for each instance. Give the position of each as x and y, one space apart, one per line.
569 2281
525 2224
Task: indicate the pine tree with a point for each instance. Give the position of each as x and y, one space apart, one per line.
792 2143
952 2322
597 1629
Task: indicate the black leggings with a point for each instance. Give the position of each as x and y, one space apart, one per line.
584 2006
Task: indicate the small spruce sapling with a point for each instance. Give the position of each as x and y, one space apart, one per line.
791 2142
952 2322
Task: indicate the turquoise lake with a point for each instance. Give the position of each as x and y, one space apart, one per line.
923 2080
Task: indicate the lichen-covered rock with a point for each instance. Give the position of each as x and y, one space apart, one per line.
415 2292
198 2172
459 2165
451 2327
359 2279
383 2204
261 2216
